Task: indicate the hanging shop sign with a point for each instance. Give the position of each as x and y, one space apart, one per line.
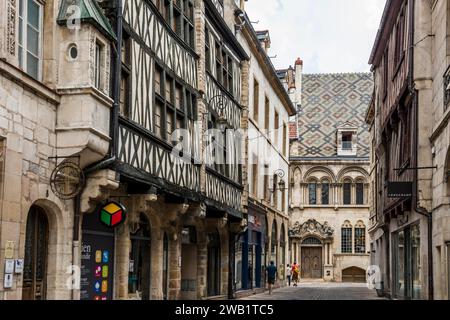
113 214
400 189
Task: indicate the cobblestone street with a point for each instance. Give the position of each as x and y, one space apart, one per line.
320 291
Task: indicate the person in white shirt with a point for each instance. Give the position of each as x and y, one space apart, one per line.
289 274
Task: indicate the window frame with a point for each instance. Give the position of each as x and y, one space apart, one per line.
360 196
23 47
344 184
314 202
360 238
347 238
186 112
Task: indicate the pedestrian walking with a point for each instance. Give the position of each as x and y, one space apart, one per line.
289 274
295 273
271 275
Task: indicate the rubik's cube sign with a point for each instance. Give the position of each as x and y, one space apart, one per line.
112 214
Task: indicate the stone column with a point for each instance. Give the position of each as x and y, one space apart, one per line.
174 267
157 264
202 260
123 247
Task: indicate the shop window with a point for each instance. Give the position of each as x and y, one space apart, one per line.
30 37
139 264
416 267
360 238
346 238
274 244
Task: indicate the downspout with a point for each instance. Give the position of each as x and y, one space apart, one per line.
420 210
114 133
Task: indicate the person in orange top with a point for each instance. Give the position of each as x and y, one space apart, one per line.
295 273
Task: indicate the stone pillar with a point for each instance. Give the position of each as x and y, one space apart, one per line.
123 247
157 264
225 256
174 267
202 259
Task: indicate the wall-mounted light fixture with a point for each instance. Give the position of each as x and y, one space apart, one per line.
282 184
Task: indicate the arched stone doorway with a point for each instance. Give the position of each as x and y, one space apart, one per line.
213 264
311 263
354 275
313 241
140 262
36 255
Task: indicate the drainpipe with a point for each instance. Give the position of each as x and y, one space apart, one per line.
418 209
113 130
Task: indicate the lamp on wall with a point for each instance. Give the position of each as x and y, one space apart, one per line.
282 184
218 103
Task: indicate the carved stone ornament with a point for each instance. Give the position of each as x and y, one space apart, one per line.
311 228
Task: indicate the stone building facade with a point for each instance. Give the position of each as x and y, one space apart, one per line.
87 131
422 220
267 150
329 169
402 157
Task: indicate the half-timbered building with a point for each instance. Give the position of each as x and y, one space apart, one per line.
400 223
175 152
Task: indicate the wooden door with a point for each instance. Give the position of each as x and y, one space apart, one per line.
311 264
36 248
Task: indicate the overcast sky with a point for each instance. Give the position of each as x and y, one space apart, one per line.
329 35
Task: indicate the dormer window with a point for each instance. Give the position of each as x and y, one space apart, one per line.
347 140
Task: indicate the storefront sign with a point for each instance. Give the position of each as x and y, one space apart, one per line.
18 268
8 281
9 266
113 214
400 189
97 260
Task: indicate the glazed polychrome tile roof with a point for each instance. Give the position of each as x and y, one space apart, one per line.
329 102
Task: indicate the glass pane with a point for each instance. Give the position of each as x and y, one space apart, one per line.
346 240
347 193
359 193
360 240
20 31
20 57
312 193
416 265
400 268
33 14
21 8
325 194
32 41
32 66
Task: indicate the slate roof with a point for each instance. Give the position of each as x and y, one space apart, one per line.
90 12
329 102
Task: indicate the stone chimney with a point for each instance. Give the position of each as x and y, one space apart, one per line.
298 81
264 39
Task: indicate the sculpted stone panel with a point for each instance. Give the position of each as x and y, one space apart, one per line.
311 228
